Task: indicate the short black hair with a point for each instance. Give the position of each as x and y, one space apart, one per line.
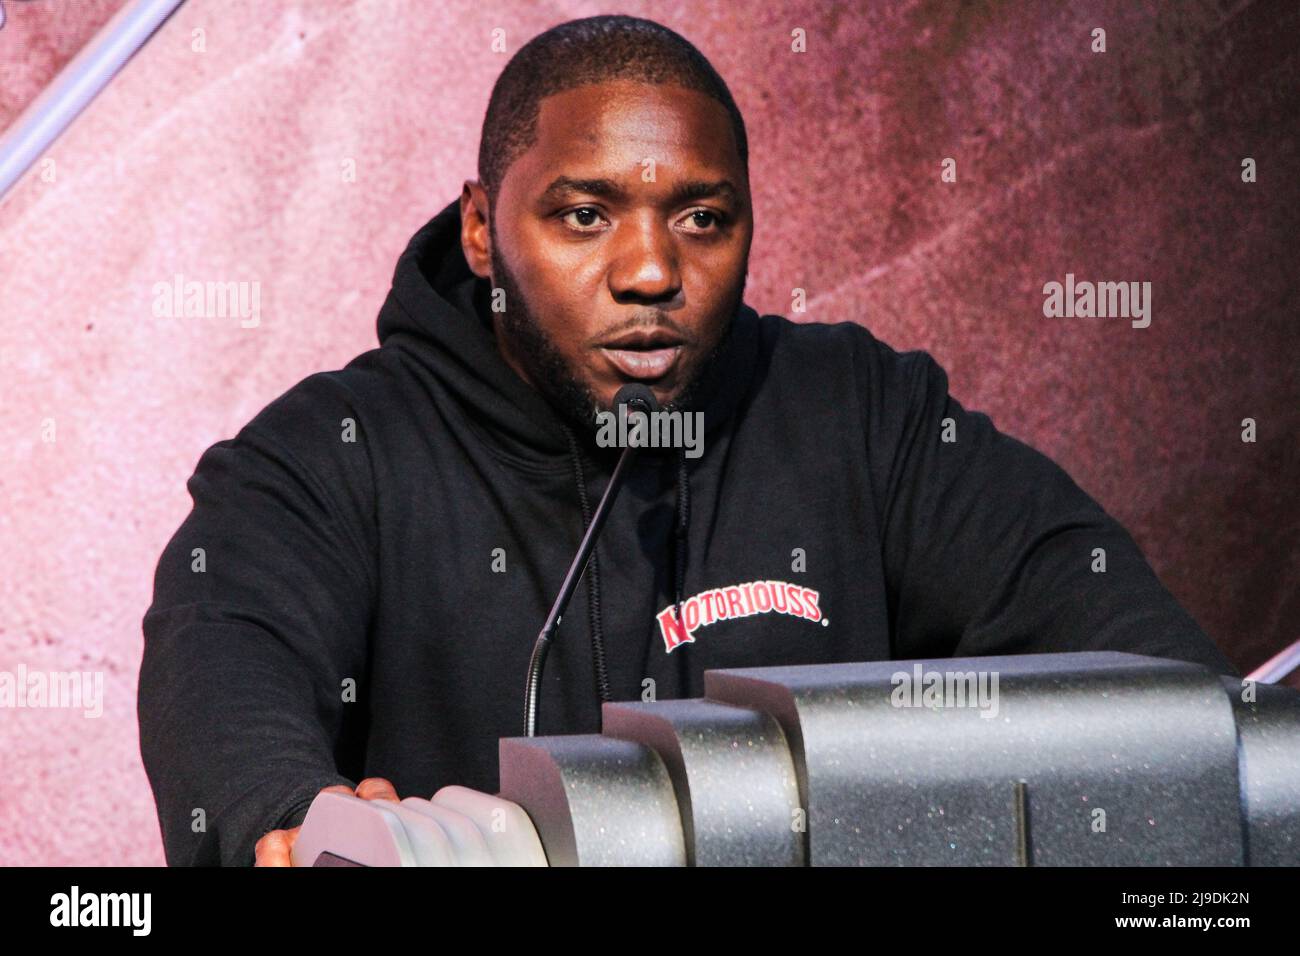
578 53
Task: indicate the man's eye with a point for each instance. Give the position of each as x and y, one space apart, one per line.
589 217
703 219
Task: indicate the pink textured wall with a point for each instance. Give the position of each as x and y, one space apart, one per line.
38 38
226 165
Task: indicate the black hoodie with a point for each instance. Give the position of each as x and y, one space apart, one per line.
358 587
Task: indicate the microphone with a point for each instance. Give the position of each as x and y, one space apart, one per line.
637 398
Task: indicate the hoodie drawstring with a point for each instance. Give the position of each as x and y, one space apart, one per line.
683 527
594 619
680 536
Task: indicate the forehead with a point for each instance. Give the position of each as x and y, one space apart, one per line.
612 128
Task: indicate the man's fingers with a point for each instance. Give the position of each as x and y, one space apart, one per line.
274 849
377 788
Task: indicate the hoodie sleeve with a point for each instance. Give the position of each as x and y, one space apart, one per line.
990 548
261 607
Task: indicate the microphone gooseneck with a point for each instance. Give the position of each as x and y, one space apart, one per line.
637 398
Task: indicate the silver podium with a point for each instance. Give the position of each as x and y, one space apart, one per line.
1095 758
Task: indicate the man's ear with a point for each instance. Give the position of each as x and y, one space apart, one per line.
475 236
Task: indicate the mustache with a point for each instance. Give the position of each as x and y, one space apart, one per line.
647 321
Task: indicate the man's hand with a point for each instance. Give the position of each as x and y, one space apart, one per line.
274 849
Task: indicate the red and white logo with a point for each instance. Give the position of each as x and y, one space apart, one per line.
737 600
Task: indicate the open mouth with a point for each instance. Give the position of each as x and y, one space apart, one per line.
643 355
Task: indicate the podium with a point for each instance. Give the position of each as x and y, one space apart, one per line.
1094 759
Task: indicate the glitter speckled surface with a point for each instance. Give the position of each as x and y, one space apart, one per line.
734 777
595 801
1089 759
1151 744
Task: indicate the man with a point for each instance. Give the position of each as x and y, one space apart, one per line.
356 592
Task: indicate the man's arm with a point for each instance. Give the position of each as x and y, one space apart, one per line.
261 607
990 547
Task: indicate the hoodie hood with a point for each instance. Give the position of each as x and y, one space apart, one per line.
437 312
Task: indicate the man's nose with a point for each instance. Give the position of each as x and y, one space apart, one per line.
645 266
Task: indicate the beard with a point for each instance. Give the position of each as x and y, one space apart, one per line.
573 399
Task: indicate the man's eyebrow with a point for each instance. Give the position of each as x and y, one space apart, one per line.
706 189
562 186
